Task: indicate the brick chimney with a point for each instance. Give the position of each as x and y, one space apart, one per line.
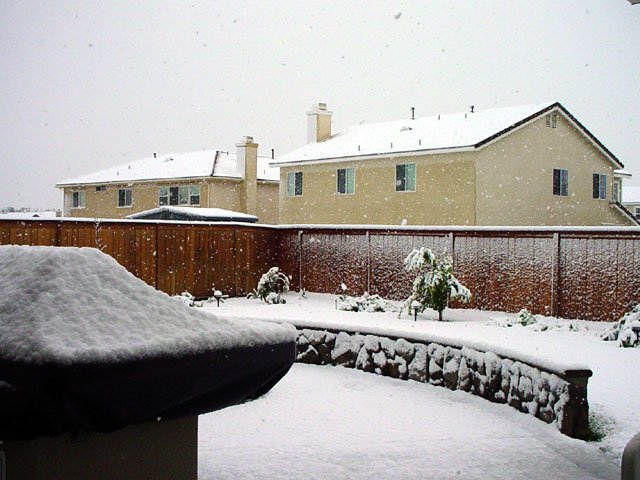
247 168
318 123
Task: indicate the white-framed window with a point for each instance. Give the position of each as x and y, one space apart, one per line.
101 188
77 199
406 177
346 181
561 182
179 195
638 213
599 186
294 184
124 197
194 194
616 194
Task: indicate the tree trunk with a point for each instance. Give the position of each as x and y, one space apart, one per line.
440 315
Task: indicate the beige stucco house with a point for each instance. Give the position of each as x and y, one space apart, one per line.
240 182
530 165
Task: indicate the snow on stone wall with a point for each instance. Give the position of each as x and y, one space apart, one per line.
561 400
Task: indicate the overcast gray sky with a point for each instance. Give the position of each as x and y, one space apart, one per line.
86 85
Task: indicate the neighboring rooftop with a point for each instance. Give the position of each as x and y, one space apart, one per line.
204 163
630 194
464 130
194 213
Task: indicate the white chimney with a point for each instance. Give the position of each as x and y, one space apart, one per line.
318 123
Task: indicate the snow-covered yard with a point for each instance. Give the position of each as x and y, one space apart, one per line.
338 423
614 391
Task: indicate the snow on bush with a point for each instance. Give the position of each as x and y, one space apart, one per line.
537 323
435 283
365 303
625 331
187 299
271 286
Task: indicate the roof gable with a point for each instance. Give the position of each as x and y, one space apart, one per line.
428 135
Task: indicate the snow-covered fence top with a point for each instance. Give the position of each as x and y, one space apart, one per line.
528 386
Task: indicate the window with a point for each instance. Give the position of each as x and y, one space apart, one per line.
616 195
560 182
77 199
101 188
163 196
346 181
294 184
124 197
194 195
182 195
406 177
599 186
638 213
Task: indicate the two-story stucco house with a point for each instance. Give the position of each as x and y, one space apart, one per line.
240 182
529 165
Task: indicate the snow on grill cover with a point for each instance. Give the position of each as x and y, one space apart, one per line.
86 346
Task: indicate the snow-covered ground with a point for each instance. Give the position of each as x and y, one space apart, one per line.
338 423
614 389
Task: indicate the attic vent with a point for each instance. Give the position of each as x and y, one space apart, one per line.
405 129
551 120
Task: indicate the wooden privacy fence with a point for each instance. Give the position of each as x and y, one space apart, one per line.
590 273
170 256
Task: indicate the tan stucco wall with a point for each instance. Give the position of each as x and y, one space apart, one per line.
267 202
163 450
515 179
445 192
224 193
508 182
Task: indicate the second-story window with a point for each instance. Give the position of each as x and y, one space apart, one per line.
560 182
599 186
124 197
346 181
180 195
294 184
77 199
406 177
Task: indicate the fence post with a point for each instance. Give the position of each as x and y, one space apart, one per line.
555 275
300 260
368 261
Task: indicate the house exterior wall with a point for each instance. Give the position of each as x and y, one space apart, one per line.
224 193
515 179
507 182
445 193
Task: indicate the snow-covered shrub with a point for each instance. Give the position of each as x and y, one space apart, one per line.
537 323
365 303
435 283
626 330
188 299
271 287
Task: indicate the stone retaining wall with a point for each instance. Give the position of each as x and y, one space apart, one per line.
553 397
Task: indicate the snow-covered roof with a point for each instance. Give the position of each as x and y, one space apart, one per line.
204 163
630 194
27 215
197 213
426 135
79 305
